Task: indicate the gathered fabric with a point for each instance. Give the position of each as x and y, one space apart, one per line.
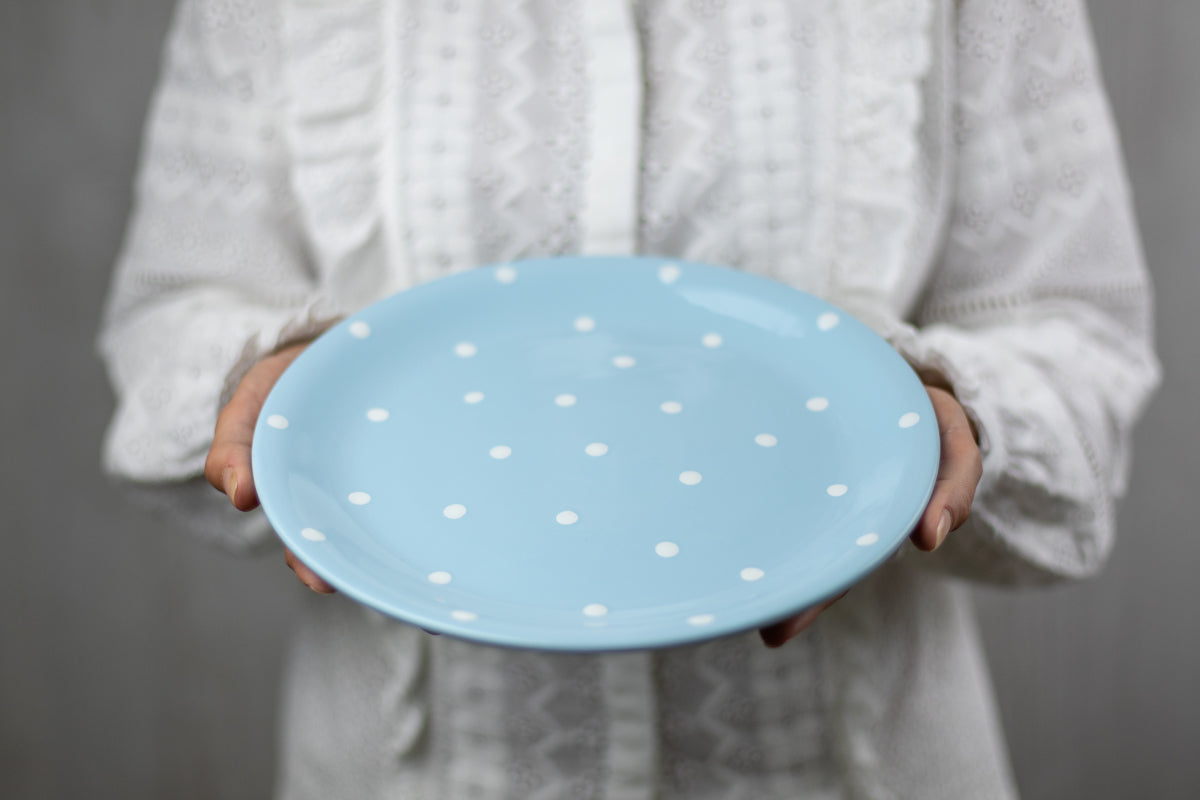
946 170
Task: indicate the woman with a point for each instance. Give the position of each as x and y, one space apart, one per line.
947 171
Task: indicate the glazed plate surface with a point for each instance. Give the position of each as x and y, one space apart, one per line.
595 454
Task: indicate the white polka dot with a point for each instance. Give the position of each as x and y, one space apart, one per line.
360 329
596 449
566 517
766 440
454 511
565 400
837 490
669 273
473 397
817 403
671 407
359 498
465 349
752 574
624 362
277 421
595 610
585 324
867 539
701 619
667 549
313 535
500 451
712 340
464 616
378 415
439 577
506 274
828 321
910 419
690 477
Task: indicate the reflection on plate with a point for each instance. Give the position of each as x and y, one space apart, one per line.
596 453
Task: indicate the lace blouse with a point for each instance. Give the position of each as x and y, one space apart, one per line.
947 171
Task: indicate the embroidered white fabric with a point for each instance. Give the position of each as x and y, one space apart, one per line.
946 170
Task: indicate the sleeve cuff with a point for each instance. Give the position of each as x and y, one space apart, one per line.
310 322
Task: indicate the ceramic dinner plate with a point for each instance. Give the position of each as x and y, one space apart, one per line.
594 454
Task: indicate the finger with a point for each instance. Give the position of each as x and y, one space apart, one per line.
227 467
959 472
778 634
781 632
309 578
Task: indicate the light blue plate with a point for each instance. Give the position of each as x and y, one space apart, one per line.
596 453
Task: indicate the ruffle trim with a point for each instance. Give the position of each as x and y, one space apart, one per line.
886 54
336 78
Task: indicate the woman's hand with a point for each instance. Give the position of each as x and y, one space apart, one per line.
958 474
228 464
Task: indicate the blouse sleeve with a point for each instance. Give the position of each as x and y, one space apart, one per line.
1040 311
214 271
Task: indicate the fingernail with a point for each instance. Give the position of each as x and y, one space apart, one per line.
231 482
942 529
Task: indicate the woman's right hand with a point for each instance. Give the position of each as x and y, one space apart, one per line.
228 465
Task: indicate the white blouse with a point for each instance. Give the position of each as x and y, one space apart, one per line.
947 171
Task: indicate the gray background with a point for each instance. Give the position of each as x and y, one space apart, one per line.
135 663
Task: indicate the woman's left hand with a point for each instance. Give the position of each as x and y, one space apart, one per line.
958 474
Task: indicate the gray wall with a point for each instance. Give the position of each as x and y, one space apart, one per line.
1097 681
137 664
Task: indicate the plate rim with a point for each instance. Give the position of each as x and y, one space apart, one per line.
473 632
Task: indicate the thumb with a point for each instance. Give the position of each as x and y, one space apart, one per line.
227 467
958 474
